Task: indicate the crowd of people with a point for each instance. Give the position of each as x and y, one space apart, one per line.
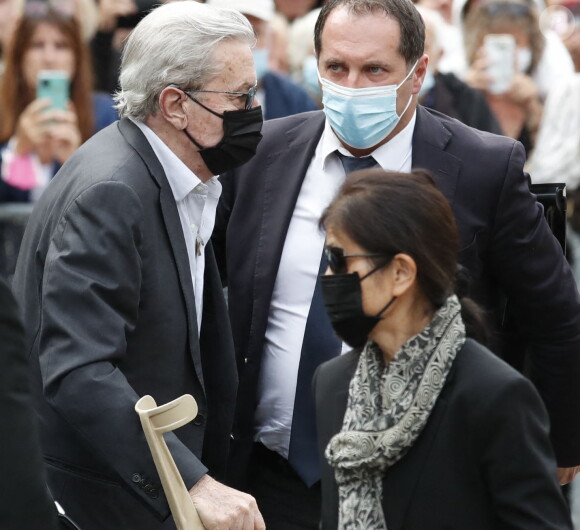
316 218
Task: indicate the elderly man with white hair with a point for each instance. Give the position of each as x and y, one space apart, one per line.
118 282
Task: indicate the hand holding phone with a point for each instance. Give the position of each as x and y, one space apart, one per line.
500 52
55 86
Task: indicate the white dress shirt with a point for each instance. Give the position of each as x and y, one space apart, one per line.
196 204
296 279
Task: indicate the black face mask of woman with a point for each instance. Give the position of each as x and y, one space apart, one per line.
343 301
242 134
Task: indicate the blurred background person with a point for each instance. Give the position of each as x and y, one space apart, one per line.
277 94
446 93
112 15
450 39
554 64
279 42
293 9
519 107
303 62
420 426
7 14
556 157
36 141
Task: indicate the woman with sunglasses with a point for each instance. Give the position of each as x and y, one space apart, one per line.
420 426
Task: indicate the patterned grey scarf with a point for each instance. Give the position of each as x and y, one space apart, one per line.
388 406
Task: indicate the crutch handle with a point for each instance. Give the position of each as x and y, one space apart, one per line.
156 421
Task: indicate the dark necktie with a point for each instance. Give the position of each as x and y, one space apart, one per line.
319 345
352 163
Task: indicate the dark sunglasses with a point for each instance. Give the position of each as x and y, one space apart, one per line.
336 258
250 95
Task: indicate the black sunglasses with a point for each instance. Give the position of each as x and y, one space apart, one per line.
336 258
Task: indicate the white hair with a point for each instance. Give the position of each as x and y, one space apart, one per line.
174 44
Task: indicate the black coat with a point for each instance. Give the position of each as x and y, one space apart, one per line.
483 460
24 499
105 285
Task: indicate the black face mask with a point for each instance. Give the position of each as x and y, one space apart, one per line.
241 138
343 301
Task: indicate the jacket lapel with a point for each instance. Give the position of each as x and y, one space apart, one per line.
284 171
430 140
174 233
402 479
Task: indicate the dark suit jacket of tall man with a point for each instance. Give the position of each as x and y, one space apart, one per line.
105 284
483 460
25 502
505 243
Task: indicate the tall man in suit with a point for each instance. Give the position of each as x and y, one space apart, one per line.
371 65
118 281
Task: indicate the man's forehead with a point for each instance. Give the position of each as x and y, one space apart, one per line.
344 17
234 67
345 29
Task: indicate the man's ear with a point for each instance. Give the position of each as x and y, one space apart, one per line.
419 75
404 273
171 106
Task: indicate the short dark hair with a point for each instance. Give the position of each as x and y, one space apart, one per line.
387 212
412 43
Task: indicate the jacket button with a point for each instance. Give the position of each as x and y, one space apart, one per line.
154 494
136 478
199 419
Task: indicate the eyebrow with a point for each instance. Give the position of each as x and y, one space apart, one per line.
243 87
366 64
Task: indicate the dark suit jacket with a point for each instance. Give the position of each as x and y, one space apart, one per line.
505 244
25 502
105 285
483 460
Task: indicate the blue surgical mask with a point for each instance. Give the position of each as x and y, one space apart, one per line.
428 84
362 117
261 59
310 75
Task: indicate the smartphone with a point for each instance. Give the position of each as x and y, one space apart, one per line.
54 85
500 51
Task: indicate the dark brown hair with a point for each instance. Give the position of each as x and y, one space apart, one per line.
389 213
16 95
412 43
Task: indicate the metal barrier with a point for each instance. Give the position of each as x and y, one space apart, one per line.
13 220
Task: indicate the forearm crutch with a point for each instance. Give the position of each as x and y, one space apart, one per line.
156 421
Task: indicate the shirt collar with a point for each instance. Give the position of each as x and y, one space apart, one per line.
389 156
181 179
